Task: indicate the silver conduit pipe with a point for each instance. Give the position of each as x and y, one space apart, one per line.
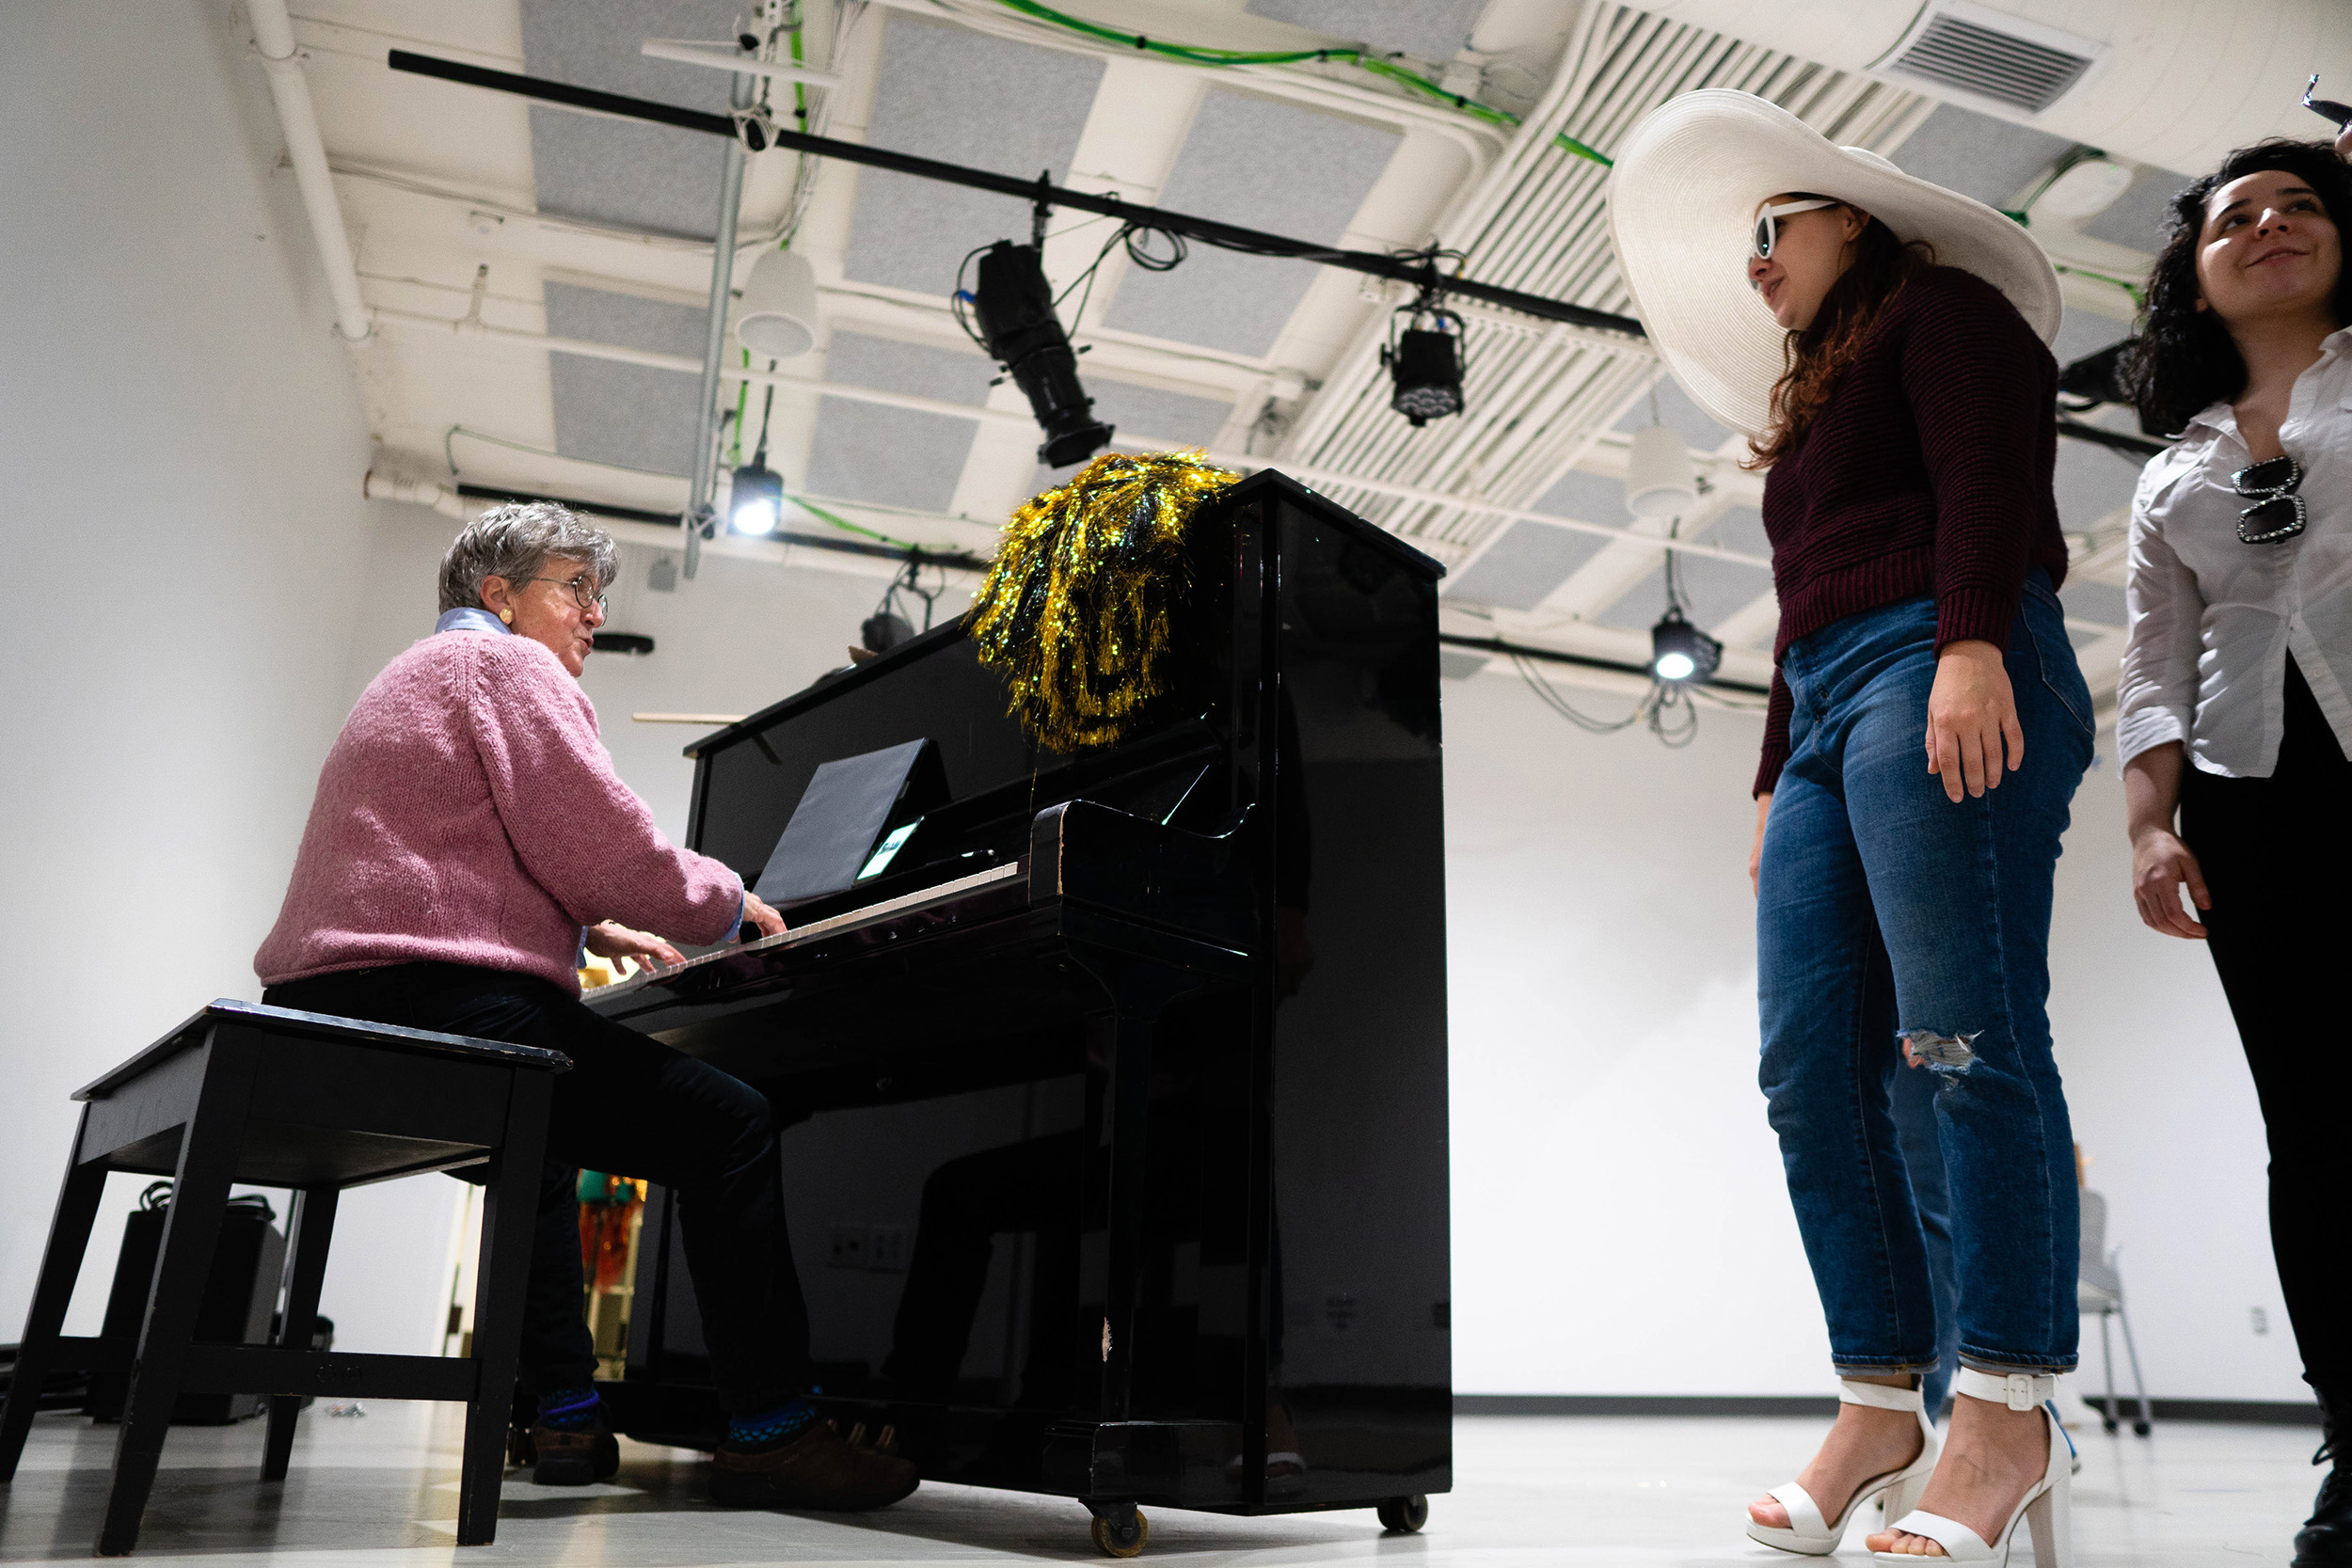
715 333
273 36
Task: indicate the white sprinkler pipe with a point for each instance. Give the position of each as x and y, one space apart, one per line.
416 492
273 36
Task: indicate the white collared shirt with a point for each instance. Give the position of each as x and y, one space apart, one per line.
2212 618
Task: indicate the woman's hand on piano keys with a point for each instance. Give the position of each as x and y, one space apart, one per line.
610 939
758 914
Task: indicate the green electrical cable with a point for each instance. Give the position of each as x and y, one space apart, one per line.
1363 59
847 527
2138 296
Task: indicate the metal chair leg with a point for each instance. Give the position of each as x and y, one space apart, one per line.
311 1223
69 1239
2147 1416
2107 1354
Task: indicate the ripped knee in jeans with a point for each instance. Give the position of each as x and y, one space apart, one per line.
1946 1055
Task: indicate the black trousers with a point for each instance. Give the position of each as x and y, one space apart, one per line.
2276 853
630 1107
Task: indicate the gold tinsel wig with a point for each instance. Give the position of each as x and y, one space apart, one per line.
1078 609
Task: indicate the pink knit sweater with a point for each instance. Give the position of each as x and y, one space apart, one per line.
468 813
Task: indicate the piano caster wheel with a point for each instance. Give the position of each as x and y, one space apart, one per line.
1405 1516
1122 1537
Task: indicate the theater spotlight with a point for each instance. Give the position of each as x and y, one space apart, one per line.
1014 307
756 505
1425 363
1679 652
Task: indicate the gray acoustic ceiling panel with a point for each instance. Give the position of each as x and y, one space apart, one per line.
895 457
1711 589
631 414
1290 171
949 94
1589 499
1741 529
1523 565
2140 215
619 171
1460 664
1676 409
2082 333
1977 156
1426 29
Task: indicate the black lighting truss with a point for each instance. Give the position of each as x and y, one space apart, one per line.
1410 268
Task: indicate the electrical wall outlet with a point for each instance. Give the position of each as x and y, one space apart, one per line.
879 1248
2261 1320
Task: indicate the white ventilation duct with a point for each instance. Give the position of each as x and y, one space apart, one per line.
2176 82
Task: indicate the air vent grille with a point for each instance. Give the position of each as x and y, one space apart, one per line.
1956 53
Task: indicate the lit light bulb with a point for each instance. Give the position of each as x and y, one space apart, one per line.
1675 667
756 517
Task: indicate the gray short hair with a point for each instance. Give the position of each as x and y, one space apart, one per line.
513 542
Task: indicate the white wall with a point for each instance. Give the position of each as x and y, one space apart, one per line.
180 447
1620 1220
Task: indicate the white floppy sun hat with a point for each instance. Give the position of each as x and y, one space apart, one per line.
1682 203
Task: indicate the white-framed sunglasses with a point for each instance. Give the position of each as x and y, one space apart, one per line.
1766 233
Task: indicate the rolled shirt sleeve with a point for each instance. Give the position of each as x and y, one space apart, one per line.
2164 616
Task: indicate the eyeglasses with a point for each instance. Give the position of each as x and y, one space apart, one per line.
2278 512
1765 230
582 595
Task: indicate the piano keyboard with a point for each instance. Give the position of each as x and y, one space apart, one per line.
919 898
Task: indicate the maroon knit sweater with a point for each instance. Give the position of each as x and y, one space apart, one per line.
1928 473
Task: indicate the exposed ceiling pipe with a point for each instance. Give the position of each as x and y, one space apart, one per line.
273 36
1328 478
416 492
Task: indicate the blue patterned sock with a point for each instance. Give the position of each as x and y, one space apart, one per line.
569 1409
771 1427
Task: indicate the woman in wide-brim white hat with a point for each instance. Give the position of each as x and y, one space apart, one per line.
1883 343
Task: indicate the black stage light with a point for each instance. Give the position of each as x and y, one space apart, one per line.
1014 305
883 631
756 506
1426 365
2097 378
1679 652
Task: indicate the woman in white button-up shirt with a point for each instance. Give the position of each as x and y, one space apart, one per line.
2235 704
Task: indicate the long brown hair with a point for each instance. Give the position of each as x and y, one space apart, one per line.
1819 355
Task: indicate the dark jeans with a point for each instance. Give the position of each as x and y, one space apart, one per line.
2274 851
1913 1107
1884 905
631 1107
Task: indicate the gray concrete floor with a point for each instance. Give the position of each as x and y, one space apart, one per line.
381 1492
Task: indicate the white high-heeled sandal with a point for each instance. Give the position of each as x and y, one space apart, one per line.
2047 1508
1811 1535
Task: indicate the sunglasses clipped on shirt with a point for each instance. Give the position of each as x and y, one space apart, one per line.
2278 512
1766 230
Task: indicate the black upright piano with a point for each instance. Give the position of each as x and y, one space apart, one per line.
1114 1106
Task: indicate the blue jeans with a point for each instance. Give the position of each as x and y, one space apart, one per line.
1885 908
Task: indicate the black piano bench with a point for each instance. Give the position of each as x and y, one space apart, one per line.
274 1098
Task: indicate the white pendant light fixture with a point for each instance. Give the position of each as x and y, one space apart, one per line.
1659 480
778 318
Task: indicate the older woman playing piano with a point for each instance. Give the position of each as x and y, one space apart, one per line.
468 837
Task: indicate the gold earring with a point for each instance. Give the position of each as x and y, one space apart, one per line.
507 616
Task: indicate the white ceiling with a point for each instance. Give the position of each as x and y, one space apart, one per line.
597 230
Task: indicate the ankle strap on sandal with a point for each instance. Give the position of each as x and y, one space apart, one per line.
2018 1391
1879 1396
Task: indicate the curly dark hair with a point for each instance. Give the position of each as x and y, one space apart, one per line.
2183 359
1818 356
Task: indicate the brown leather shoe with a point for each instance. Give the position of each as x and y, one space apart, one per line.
816 1469
574 1456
